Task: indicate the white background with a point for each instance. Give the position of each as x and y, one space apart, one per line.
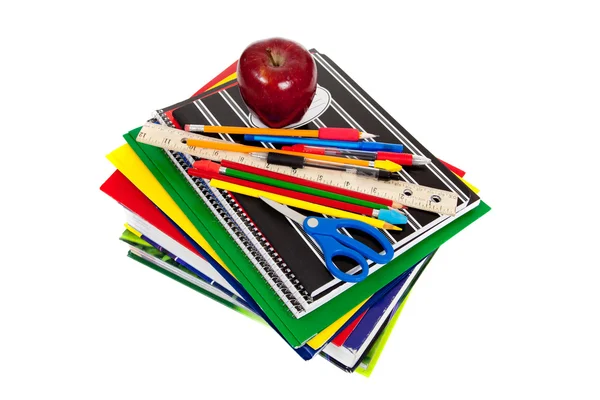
509 91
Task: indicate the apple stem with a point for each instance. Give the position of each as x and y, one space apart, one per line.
275 64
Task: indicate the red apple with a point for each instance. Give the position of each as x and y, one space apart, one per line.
277 80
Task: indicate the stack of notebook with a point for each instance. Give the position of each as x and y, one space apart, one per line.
236 250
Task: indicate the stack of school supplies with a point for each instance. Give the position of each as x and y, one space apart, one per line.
320 238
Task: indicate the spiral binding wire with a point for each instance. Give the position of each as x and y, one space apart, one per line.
163 119
263 242
260 252
282 280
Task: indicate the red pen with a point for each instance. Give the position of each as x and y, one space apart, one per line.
398 158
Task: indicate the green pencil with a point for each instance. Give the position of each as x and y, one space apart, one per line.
234 173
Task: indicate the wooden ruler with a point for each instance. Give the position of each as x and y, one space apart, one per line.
409 194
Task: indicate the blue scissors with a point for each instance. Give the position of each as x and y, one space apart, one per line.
333 243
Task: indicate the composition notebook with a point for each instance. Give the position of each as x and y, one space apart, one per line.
209 213
282 244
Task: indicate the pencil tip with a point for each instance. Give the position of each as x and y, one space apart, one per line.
391 227
395 204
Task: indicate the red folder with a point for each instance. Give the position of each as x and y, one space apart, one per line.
127 194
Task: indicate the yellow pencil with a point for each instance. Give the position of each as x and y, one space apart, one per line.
304 205
241 148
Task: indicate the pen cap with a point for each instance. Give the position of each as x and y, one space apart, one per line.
207 165
394 217
346 134
285 159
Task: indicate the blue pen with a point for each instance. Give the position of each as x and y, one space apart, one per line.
340 144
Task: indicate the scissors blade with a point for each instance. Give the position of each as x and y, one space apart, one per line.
285 210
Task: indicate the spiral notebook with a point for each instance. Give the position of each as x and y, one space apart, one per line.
288 259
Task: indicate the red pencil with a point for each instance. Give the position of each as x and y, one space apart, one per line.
340 205
316 185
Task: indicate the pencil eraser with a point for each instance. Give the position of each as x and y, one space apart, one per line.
394 217
186 127
207 165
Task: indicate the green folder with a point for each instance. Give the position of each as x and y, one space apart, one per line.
296 331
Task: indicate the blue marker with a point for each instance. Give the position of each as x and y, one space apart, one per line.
340 144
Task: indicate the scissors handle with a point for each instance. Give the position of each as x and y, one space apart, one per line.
333 243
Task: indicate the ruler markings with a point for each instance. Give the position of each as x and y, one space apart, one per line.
412 195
